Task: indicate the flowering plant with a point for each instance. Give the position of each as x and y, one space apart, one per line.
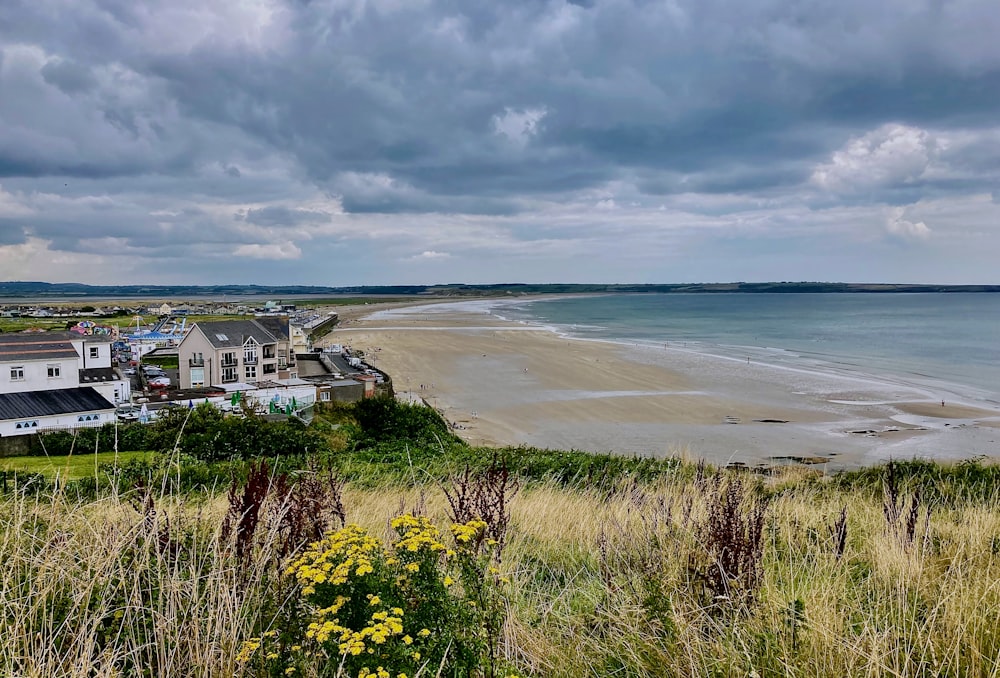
396 610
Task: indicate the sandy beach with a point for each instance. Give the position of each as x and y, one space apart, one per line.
505 383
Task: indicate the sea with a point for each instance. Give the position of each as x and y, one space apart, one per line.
940 342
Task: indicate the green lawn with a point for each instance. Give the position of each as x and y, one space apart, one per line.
70 467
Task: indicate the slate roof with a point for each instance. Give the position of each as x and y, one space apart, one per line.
233 333
49 403
18 347
276 325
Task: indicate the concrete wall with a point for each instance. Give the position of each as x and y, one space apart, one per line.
342 393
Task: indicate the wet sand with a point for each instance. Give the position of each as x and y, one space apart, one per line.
505 383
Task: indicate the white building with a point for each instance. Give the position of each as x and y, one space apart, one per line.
67 408
57 380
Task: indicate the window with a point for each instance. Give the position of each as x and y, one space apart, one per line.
270 368
250 353
221 337
268 351
251 371
197 376
95 352
229 359
228 374
53 371
17 373
325 396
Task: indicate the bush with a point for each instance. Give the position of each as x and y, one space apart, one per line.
385 419
412 607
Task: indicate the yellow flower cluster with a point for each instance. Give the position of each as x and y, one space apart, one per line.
247 649
382 625
379 672
417 533
340 559
334 558
471 530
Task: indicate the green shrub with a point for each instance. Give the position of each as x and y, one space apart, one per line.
385 419
412 607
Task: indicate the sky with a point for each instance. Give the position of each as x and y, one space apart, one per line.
348 142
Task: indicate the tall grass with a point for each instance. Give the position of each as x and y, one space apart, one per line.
603 582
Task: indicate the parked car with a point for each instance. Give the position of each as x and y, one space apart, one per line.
159 382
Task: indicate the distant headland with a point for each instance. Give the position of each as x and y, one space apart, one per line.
17 289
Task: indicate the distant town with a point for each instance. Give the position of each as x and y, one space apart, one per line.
71 366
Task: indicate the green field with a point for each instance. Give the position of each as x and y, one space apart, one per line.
71 467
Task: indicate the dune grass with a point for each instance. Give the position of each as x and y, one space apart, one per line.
601 582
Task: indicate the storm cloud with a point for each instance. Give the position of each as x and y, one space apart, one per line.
382 141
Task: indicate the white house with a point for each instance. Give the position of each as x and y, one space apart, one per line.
68 408
56 380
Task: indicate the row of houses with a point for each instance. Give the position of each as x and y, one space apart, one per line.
64 380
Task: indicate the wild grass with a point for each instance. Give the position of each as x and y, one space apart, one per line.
632 581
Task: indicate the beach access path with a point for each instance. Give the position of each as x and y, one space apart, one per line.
505 383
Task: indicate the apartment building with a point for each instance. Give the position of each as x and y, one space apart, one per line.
236 351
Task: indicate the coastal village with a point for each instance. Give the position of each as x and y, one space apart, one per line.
104 364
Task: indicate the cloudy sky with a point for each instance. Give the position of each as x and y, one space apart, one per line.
339 142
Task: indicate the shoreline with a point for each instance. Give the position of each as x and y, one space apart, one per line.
506 382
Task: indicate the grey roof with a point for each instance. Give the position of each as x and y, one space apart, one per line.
48 403
233 333
276 325
35 346
86 338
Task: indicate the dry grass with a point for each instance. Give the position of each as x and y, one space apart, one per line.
601 584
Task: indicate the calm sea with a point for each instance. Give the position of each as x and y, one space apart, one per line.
922 339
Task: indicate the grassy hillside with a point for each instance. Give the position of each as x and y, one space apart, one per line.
495 563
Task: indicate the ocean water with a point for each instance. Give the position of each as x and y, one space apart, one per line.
937 341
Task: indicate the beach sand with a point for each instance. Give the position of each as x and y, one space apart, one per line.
505 383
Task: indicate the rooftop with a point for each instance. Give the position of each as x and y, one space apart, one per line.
35 347
49 403
233 333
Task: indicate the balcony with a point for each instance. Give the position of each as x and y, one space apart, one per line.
196 362
282 364
252 360
228 380
228 363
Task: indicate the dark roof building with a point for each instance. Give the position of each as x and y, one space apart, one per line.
16 347
50 403
234 333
